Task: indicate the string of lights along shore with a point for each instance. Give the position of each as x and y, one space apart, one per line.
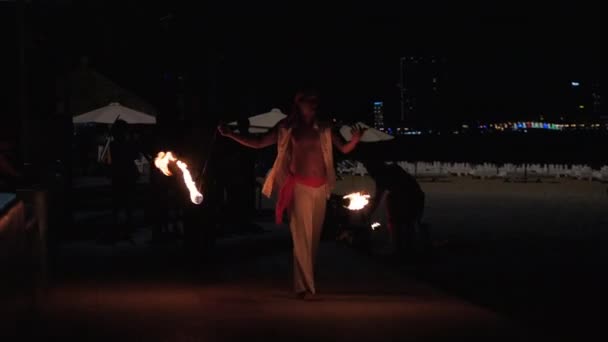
424 97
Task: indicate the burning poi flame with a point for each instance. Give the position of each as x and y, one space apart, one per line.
358 201
195 196
162 163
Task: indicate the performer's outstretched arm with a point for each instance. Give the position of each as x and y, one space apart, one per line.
346 148
265 140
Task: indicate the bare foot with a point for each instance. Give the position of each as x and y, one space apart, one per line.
311 297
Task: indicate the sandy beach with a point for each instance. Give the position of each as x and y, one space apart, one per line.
533 251
565 209
460 206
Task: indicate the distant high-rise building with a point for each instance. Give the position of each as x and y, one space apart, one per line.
577 100
583 100
378 114
423 90
596 98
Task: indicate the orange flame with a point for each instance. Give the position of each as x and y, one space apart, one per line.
195 196
162 161
358 201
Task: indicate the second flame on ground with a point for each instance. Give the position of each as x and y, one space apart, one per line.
358 200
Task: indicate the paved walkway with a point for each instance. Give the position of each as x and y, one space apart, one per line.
246 296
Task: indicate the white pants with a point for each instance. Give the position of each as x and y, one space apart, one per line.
307 216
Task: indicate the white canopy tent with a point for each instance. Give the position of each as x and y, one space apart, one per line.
370 135
108 115
263 122
113 111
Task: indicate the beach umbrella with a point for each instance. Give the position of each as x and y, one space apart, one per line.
110 113
263 122
370 135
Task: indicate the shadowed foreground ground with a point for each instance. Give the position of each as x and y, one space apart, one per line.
144 293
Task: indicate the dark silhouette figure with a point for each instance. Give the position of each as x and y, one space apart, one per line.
162 188
404 205
241 186
8 172
201 221
124 177
6 166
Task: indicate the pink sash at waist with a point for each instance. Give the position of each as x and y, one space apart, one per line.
286 194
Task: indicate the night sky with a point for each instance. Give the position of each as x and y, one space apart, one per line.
503 61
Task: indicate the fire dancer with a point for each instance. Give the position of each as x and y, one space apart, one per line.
404 205
303 176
